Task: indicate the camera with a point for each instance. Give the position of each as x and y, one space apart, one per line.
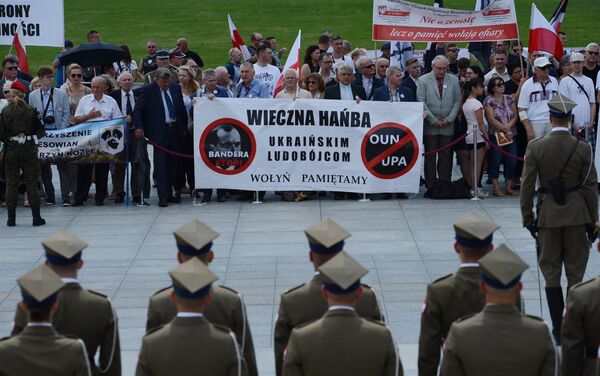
49 119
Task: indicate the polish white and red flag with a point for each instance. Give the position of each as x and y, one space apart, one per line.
559 15
292 62
21 52
236 39
542 36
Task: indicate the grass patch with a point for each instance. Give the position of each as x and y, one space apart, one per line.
204 22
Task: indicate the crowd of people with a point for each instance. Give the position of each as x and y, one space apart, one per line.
485 118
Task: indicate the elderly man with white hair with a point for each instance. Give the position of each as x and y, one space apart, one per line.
223 80
440 93
366 76
290 87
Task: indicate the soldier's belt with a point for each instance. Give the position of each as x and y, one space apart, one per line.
568 190
22 138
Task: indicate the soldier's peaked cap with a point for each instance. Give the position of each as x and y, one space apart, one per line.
342 273
502 267
326 237
194 238
472 230
561 106
39 286
192 279
63 248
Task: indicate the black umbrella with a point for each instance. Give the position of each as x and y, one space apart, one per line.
92 54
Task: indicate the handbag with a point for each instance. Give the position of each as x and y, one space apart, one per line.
501 137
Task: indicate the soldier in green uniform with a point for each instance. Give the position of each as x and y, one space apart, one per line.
190 343
361 346
162 61
567 204
500 340
20 127
581 328
226 308
455 295
82 313
305 303
39 349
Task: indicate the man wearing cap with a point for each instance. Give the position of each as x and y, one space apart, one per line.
455 295
82 313
500 340
194 241
190 341
567 204
581 328
305 303
162 61
39 349
581 90
534 97
360 346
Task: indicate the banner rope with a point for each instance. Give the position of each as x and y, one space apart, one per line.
434 151
168 151
502 151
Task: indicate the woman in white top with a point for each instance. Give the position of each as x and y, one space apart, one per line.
127 64
290 87
473 113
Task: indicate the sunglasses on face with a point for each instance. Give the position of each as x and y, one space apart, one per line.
369 66
593 52
453 50
151 46
6 92
76 75
12 68
499 84
312 82
544 68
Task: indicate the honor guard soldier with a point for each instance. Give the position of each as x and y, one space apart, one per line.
39 349
581 328
226 308
305 303
455 295
81 313
567 204
500 340
360 346
190 342
162 61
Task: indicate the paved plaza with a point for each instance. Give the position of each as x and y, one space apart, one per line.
262 252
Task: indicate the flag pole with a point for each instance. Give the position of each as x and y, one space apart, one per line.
12 44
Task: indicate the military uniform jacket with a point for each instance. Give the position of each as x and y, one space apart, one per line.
544 158
188 344
499 341
88 315
342 343
226 308
304 304
581 329
40 350
15 120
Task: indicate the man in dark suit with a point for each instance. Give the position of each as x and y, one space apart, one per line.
366 76
413 71
398 92
140 167
346 90
160 116
10 72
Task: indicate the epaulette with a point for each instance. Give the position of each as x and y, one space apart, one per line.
442 278
465 317
70 336
583 283
294 288
4 339
152 330
161 290
97 293
229 289
221 328
366 285
534 317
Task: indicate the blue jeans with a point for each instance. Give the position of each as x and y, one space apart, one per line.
495 157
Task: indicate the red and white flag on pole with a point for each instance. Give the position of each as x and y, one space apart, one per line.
292 62
559 15
237 40
542 36
20 52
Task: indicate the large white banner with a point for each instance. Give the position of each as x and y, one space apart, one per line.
405 21
40 22
309 145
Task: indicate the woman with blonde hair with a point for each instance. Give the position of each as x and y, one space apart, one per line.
74 87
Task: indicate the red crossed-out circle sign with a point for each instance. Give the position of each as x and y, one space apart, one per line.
227 146
389 150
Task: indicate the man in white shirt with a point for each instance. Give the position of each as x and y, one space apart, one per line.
581 91
533 101
263 70
338 52
499 70
95 106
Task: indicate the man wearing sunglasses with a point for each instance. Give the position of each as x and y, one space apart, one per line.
533 101
366 76
499 70
10 72
591 68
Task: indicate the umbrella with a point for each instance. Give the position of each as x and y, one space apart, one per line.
92 54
